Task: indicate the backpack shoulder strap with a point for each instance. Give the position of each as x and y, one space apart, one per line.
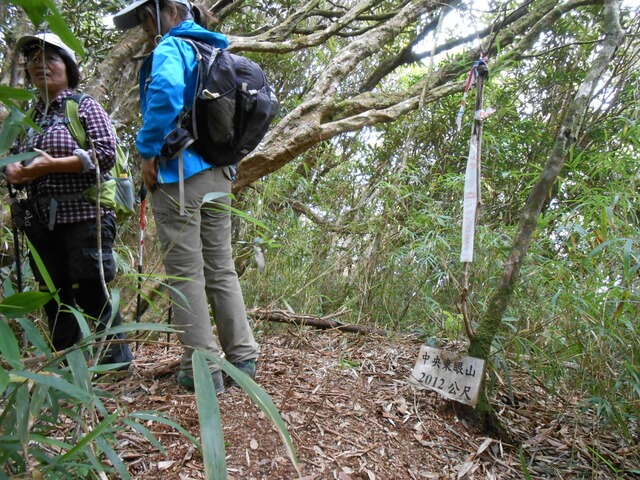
196 44
197 48
191 110
71 107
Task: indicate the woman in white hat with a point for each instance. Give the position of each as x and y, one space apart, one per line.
64 228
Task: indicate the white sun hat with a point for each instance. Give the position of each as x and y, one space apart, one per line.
48 38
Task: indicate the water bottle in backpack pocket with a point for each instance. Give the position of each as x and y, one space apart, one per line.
116 192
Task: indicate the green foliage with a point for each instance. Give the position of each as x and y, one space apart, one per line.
13 124
41 405
369 223
209 415
45 12
576 313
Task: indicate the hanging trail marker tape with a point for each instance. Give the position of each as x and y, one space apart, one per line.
452 375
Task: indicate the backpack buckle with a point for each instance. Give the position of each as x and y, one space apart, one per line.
176 141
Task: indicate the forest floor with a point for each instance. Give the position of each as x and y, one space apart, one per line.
352 415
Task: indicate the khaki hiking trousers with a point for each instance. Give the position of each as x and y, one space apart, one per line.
198 260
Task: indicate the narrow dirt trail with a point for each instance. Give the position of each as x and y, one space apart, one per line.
352 415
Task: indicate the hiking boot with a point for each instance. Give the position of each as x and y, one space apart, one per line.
187 382
247 367
117 354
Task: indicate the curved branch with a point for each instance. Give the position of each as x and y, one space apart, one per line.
268 41
323 323
311 215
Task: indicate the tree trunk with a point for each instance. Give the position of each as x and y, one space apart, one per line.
568 133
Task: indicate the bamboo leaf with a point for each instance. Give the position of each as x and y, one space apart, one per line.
158 417
4 380
42 269
22 303
39 395
146 433
22 415
56 382
19 94
113 456
135 327
53 441
80 318
626 259
46 11
9 346
261 399
84 441
211 197
8 134
80 371
213 451
18 157
34 336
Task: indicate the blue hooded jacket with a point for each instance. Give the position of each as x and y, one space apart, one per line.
168 81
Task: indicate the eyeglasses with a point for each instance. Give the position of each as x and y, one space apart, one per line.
38 58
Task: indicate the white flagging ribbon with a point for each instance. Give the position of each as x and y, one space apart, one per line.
470 205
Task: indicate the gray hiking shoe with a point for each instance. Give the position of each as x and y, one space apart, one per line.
187 382
247 367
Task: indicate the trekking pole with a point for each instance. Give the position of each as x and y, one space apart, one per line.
143 204
17 221
16 237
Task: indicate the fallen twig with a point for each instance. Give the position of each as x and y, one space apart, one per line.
322 323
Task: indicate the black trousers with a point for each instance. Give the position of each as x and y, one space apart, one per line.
69 253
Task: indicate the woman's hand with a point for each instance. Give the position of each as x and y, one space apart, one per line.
41 165
11 173
149 170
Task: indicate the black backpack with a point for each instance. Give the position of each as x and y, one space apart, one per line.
232 108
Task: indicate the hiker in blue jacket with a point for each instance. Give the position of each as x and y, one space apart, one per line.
195 238
63 224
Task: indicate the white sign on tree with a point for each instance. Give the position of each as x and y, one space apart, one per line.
452 375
